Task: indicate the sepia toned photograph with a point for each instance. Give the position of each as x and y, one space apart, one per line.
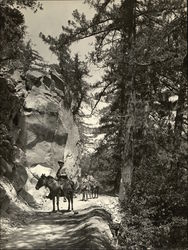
93 125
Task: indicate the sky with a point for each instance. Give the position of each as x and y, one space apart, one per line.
49 21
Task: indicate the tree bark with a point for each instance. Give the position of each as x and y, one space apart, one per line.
128 106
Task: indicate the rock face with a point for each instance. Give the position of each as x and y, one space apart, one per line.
37 128
10 105
46 135
10 109
51 133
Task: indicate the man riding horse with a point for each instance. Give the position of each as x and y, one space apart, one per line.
59 187
62 178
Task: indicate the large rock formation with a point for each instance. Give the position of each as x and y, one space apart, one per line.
50 132
37 129
11 170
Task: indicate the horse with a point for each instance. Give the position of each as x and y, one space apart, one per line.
94 187
57 190
85 189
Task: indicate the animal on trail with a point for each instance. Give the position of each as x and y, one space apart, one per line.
57 190
88 187
85 190
94 188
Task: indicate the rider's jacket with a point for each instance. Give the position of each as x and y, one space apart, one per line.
63 178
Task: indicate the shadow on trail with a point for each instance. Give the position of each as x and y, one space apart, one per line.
86 230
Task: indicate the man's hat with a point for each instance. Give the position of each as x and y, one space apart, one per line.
60 161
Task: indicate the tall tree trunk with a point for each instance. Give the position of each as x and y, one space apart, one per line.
127 156
128 106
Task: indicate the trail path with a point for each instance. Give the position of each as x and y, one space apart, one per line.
89 229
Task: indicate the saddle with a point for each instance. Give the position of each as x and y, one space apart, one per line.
66 186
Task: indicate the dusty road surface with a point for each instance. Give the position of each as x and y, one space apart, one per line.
87 229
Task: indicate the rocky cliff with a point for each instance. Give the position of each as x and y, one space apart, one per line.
37 129
50 130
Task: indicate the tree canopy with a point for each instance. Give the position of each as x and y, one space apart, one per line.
142 48
12 28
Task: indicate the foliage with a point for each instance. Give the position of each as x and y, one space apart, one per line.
72 70
29 57
14 53
12 28
142 48
106 167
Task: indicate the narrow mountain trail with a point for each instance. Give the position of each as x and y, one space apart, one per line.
86 229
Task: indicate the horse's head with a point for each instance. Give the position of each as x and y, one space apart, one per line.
41 182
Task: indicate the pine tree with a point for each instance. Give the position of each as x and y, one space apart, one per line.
12 29
142 47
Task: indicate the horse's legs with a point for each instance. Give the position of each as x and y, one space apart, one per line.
86 195
68 198
57 203
53 200
93 193
83 195
71 198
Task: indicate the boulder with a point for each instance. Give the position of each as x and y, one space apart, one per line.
34 74
33 174
38 170
20 157
5 167
37 129
28 198
10 105
7 193
51 131
4 199
18 177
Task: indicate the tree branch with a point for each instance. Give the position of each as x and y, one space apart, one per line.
100 96
91 34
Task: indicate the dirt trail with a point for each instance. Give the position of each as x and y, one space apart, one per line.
89 229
